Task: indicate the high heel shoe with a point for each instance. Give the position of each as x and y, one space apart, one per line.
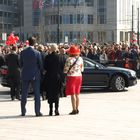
77 111
73 112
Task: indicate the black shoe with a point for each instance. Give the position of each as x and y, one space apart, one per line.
23 114
39 114
43 97
12 98
50 113
73 112
56 113
18 98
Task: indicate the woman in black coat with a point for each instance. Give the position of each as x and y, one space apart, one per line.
12 61
53 82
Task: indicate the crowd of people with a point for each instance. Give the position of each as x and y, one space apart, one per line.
120 55
45 67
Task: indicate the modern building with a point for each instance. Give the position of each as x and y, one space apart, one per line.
8 16
73 20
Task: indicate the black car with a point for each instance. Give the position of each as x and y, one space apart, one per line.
3 76
96 75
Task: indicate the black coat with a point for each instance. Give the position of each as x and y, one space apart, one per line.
2 60
53 67
12 61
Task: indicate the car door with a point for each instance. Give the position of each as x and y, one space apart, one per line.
94 75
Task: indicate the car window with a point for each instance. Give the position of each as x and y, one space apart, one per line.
89 64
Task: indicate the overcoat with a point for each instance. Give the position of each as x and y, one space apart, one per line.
53 79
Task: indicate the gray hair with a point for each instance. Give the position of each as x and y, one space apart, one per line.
54 47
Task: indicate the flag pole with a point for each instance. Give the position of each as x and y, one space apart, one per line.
138 29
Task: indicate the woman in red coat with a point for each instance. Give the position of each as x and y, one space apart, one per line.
73 68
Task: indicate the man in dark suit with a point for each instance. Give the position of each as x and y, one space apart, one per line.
12 61
31 67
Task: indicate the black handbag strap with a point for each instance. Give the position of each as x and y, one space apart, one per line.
72 64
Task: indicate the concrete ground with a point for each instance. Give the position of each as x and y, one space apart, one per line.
103 116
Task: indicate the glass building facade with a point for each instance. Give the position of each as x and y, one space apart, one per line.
71 15
73 20
8 15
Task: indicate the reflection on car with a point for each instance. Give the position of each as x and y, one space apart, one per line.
96 75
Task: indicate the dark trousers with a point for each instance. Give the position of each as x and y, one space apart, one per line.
15 87
24 94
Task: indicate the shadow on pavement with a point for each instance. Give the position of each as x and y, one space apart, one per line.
99 91
17 117
4 92
29 116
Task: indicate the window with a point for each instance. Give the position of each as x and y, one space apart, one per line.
71 36
5 14
35 22
74 19
101 19
90 19
101 2
64 19
66 34
52 19
89 2
9 15
5 2
78 19
47 20
1 13
82 18
9 2
101 36
90 36
71 19
89 64
0 25
60 19
5 26
15 15
1 1
9 26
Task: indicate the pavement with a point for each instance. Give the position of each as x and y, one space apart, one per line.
103 116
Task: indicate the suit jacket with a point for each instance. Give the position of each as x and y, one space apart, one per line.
12 61
31 64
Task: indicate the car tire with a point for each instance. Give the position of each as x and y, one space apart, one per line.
117 83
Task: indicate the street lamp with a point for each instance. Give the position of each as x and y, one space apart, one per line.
58 23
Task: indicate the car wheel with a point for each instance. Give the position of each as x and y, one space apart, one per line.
118 83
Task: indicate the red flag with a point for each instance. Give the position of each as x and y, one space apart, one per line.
40 4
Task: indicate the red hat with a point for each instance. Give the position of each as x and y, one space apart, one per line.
74 50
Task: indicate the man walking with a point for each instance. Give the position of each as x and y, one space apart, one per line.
31 66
